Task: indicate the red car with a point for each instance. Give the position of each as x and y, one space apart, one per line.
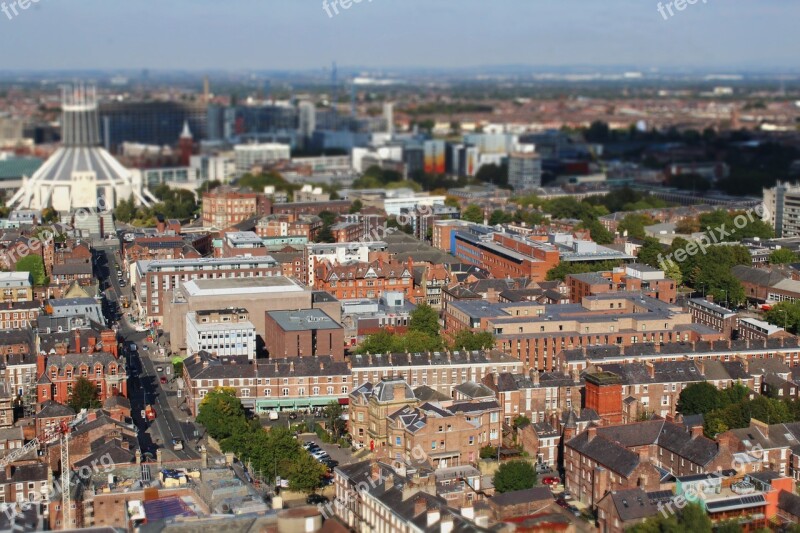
551 481
163 380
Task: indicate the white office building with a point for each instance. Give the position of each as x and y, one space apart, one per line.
224 332
249 155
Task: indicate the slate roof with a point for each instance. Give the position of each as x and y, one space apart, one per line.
425 393
517 497
617 439
633 504
472 389
757 276
789 503
53 409
607 453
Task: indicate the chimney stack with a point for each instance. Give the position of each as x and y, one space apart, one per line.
420 506
77 341
697 431
591 432
433 516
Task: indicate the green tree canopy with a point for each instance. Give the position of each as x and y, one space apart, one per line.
221 413
424 319
785 314
698 398
84 395
473 213
514 475
469 340
356 206
634 224
782 256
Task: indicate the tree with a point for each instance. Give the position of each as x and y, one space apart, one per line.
49 215
424 319
650 252
634 224
785 314
514 475
698 398
521 421
499 216
473 213
782 256
221 413
84 395
177 366
470 340
333 416
35 265
488 452
305 474
599 233
694 518
356 206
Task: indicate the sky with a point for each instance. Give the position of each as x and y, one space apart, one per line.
383 34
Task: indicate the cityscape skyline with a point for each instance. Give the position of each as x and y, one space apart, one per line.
268 35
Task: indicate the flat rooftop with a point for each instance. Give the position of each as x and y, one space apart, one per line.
243 286
303 319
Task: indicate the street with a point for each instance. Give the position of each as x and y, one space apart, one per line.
144 386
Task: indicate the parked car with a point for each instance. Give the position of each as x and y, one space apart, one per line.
315 499
158 368
552 480
292 416
163 380
308 444
273 415
320 455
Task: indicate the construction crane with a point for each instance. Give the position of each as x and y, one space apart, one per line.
60 432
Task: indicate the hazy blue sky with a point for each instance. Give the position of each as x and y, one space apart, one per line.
288 34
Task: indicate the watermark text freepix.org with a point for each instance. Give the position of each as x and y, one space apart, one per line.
711 237
669 9
331 7
12 9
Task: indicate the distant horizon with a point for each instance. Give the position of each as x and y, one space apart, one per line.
715 36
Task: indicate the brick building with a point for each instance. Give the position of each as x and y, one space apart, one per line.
224 207
714 316
441 371
303 333
152 279
632 278
450 435
371 406
536 333
604 396
59 373
609 458
365 279
278 384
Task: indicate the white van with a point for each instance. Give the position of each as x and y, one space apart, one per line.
273 415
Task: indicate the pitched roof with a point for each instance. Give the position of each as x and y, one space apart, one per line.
516 497
633 504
